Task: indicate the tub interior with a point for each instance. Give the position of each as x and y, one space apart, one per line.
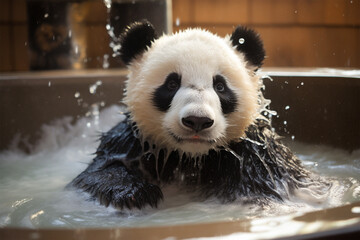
316 111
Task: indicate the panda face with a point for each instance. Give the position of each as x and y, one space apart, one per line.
191 92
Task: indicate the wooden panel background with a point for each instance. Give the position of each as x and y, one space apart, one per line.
296 33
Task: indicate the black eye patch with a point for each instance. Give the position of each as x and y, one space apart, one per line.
163 95
227 97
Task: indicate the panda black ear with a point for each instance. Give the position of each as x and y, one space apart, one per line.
248 42
135 40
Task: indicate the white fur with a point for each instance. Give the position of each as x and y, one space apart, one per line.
198 56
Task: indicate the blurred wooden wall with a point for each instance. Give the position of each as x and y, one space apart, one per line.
296 33
13 36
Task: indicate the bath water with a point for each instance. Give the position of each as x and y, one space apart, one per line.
32 185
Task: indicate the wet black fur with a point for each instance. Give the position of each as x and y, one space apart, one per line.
124 174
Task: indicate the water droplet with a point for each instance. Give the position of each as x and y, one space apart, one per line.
108 27
177 22
93 88
292 137
88 124
76 49
70 33
302 83
355 210
107 3
287 107
46 15
49 83
77 94
286 82
106 61
285 122
241 40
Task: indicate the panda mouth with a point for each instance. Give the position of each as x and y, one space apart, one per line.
193 139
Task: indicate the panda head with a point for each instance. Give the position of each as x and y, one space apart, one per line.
191 91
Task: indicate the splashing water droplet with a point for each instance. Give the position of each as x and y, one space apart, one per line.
287 107
106 61
77 94
93 88
285 122
177 22
292 137
355 210
49 83
46 15
107 3
241 40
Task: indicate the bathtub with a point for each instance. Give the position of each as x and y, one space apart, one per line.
314 106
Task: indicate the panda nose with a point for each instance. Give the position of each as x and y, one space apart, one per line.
197 123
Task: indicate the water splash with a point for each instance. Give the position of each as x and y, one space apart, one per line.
64 152
264 112
107 4
93 87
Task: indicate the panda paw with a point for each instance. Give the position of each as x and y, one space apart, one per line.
137 195
115 185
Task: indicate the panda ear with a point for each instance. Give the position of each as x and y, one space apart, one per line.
136 39
248 42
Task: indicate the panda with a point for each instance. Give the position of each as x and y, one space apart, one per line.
194 119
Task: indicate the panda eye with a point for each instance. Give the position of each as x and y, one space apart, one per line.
164 94
173 81
172 85
227 97
219 87
219 84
